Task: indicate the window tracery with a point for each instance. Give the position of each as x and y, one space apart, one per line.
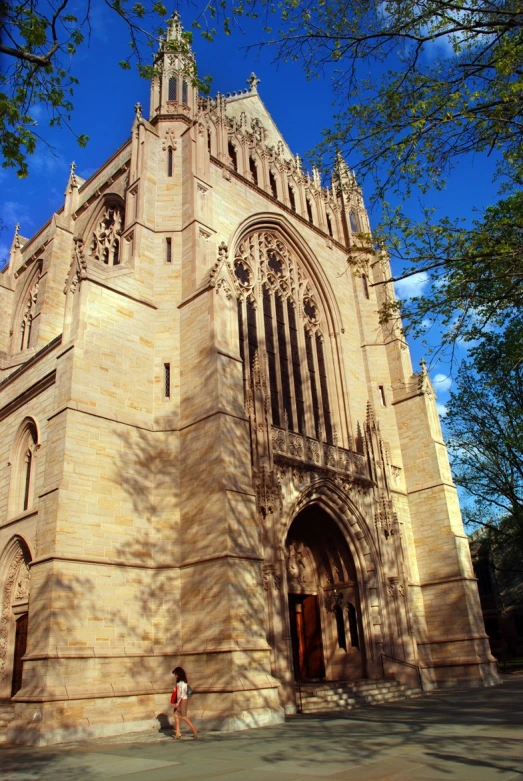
280 321
28 315
105 243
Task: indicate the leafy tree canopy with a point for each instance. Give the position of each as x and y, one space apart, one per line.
473 275
485 424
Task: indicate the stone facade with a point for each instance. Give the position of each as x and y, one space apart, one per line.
212 453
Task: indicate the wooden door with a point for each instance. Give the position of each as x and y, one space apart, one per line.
307 644
20 649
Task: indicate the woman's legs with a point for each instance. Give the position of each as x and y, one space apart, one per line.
191 725
177 732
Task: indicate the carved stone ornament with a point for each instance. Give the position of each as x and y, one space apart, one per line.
300 569
271 577
169 140
386 518
268 492
424 383
78 268
334 600
17 582
395 587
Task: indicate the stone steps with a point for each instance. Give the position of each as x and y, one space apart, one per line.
325 697
7 712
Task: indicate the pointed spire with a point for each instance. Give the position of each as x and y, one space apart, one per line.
16 238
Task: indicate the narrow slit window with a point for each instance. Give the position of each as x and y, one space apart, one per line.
253 169
284 361
382 396
209 146
185 92
170 161
167 380
233 155
270 347
309 212
168 250
27 480
365 282
173 89
353 626
292 199
296 368
329 226
327 422
252 331
312 380
241 336
340 627
272 182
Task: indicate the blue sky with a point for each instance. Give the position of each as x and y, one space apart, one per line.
104 110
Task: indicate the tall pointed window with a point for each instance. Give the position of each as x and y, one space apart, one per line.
23 462
185 92
172 92
282 333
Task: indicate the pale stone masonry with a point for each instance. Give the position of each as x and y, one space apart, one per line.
212 455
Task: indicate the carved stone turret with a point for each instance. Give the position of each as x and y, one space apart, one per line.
173 90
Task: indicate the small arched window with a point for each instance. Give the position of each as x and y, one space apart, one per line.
309 211
340 627
23 462
272 183
233 155
365 282
185 91
253 168
354 222
172 93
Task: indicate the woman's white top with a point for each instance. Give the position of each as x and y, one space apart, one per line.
181 691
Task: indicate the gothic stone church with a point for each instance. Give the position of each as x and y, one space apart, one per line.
212 453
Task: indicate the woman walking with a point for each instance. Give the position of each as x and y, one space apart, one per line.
180 700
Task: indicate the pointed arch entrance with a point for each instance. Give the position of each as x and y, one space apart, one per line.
14 580
323 600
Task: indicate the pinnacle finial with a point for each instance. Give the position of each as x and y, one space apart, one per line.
253 82
138 110
174 27
73 182
16 239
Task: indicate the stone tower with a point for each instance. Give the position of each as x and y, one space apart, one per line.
212 453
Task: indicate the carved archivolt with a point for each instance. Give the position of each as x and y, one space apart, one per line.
16 589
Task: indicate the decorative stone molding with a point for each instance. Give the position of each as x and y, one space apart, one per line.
16 588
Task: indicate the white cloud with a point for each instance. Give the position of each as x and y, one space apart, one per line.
12 212
441 382
411 286
442 410
426 324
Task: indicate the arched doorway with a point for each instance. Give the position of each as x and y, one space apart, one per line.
324 604
14 617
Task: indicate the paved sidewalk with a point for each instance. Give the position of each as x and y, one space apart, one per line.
471 735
